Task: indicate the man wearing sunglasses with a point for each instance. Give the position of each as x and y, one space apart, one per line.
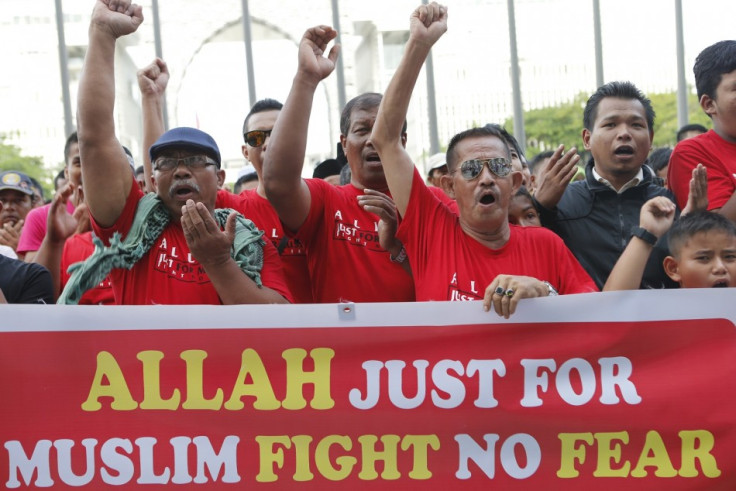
479 256
348 231
256 135
184 252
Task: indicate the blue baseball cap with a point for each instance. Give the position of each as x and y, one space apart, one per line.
16 181
186 138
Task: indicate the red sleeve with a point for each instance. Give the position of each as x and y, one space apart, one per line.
682 162
413 225
125 220
33 231
318 188
446 200
226 199
272 274
686 156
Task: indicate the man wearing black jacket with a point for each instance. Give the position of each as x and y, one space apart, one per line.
598 216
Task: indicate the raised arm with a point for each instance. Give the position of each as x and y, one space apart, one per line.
282 167
428 23
152 82
105 170
656 218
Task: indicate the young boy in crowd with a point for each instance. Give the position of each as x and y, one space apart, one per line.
522 211
702 249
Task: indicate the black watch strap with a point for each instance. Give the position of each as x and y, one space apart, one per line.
644 235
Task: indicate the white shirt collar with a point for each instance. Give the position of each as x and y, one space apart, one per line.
633 182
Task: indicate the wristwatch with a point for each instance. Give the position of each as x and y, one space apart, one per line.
644 235
400 257
550 289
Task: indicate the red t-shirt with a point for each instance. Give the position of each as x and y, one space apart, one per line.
167 273
346 262
77 248
715 153
442 196
292 251
448 264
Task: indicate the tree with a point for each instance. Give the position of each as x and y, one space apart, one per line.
12 159
547 127
665 124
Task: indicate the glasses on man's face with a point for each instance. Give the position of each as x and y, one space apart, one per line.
256 138
193 162
471 169
17 202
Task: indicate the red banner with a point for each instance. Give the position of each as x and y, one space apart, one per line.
572 393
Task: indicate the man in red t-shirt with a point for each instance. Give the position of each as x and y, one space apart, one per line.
257 129
477 255
189 256
715 79
252 203
348 231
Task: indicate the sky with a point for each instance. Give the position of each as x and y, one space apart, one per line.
210 87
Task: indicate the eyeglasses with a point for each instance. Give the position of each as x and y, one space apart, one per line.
256 138
471 169
17 202
194 162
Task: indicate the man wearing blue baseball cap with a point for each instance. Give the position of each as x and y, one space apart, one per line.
171 246
16 195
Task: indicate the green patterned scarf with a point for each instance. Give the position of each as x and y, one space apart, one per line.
151 218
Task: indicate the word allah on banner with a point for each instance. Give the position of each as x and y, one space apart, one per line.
622 390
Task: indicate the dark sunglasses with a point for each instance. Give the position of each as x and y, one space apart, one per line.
471 169
256 138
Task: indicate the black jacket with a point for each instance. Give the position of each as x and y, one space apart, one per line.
595 222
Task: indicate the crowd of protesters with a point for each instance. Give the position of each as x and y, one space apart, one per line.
484 224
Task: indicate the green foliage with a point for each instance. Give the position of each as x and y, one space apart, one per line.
547 127
665 124
11 159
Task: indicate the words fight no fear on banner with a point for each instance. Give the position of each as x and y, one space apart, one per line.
631 389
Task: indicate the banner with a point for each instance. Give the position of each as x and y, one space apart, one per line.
622 390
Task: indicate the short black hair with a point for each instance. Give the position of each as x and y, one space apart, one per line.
488 130
251 176
58 176
688 128
536 161
619 90
71 139
694 223
326 168
510 140
139 170
367 100
711 63
37 186
259 107
659 158
523 191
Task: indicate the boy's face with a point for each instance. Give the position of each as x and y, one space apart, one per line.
706 260
523 213
722 108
